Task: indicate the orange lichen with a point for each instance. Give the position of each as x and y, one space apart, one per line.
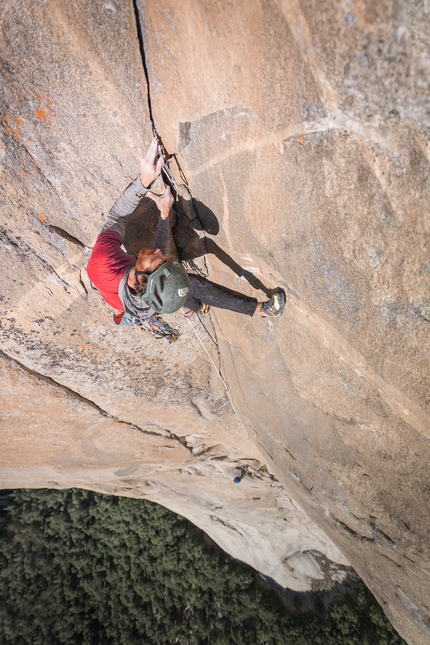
41 217
45 110
15 126
301 139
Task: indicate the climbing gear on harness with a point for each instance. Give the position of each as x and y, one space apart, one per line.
275 305
154 325
167 288
191 267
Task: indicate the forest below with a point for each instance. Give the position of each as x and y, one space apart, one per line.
81 568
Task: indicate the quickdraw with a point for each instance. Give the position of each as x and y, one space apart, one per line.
165 170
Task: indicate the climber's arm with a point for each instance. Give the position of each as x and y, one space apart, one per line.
125 204
163 231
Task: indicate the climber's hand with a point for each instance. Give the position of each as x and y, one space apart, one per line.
149 169
164 201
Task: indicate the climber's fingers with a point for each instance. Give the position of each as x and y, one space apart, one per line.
150 168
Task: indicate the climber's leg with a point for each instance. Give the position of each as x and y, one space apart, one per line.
215 295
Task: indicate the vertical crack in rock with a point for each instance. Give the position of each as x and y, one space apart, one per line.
139 30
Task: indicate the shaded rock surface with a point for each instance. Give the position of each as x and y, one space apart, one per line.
304 128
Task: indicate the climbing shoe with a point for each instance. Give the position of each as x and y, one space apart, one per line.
204 310
275 306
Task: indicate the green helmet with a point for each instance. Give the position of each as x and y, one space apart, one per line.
167 288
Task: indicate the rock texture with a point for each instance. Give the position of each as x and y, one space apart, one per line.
84 403
304 128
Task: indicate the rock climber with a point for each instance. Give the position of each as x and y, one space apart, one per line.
156 282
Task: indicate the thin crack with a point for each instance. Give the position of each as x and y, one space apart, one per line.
38 167
81 280
64 234
26 251
140 37
139 30
351 531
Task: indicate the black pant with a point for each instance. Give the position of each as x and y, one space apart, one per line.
204 291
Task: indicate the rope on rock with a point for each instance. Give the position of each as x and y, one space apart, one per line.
178 362
224 382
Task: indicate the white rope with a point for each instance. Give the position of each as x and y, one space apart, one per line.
224 382
210 357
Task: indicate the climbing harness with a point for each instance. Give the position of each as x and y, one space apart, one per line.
192 267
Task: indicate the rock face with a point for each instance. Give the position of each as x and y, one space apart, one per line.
304 128
84 403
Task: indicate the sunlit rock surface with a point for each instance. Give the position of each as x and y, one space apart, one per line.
304 128
84 403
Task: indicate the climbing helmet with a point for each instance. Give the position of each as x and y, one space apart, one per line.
167 288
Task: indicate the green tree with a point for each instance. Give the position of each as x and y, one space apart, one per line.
78 568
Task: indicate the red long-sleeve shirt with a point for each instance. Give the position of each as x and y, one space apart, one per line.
107 265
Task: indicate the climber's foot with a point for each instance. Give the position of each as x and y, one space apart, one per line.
274 307
204 310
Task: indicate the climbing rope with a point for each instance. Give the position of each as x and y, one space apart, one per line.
224 382
155 327
206 330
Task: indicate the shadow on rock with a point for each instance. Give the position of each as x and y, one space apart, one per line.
190 220
212 247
